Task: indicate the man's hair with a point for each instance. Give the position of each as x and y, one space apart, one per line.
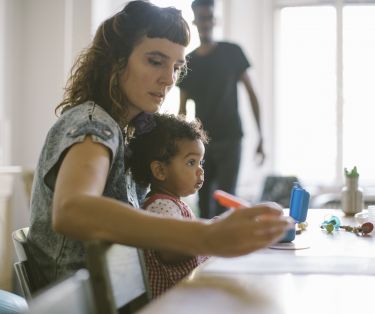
203 3
160 144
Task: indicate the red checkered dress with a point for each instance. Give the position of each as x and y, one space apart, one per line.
163 276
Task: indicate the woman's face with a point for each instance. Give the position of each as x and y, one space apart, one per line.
152 69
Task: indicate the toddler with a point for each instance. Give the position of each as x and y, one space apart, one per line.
166 155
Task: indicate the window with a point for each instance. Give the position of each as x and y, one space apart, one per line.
324 96
358 91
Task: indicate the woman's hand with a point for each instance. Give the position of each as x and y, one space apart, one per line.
245 230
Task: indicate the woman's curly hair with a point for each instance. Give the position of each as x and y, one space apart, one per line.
95 74
160 144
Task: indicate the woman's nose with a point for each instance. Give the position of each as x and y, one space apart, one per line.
169 76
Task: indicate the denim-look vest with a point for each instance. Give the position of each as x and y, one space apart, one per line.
54 254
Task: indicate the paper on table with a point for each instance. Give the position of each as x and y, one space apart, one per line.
267 264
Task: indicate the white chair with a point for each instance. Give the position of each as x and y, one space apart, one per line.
7 183
28 275
118 277
72 295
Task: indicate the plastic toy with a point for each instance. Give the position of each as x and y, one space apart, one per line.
299 203
228 200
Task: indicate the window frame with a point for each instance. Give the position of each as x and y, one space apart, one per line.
338 5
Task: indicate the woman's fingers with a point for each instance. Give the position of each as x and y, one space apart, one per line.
270 208
261 225
246 230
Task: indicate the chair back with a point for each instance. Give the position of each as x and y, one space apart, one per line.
117 277
72 295
27 276
277 189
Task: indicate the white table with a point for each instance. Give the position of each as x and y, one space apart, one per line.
334 275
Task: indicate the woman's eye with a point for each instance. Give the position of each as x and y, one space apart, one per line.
154 62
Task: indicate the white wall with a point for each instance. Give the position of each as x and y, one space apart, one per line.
12 23
41 40
3 134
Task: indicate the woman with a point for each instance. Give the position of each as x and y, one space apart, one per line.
80 191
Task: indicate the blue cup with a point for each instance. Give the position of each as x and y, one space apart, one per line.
290 235
299 204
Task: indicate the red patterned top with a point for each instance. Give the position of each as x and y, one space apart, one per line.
163 276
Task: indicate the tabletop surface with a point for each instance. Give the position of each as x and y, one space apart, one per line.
327 273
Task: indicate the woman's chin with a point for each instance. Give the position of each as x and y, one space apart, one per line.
152 108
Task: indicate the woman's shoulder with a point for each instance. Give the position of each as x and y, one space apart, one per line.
87 115
77 122
88 110
74 124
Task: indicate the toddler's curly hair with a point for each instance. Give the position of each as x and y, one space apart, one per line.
160 144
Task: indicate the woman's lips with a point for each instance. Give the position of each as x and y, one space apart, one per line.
158 96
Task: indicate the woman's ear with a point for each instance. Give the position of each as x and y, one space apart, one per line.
158 170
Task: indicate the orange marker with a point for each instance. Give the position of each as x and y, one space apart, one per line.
228 200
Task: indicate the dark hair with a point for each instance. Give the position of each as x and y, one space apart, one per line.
96 72
202 3
160 144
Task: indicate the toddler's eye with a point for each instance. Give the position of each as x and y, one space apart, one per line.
191 162
202 162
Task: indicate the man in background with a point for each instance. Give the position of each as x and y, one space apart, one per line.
214 69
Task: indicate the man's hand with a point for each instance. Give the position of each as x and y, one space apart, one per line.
260 156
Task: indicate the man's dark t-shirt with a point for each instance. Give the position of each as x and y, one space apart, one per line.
211 82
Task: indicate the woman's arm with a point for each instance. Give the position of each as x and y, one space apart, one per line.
80 211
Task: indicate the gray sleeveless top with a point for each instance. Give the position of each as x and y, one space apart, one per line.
56 255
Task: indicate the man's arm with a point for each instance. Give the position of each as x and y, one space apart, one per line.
183 100
256 111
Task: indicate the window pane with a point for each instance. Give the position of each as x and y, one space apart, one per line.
359 92
306 94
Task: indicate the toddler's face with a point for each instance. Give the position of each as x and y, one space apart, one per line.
184 173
